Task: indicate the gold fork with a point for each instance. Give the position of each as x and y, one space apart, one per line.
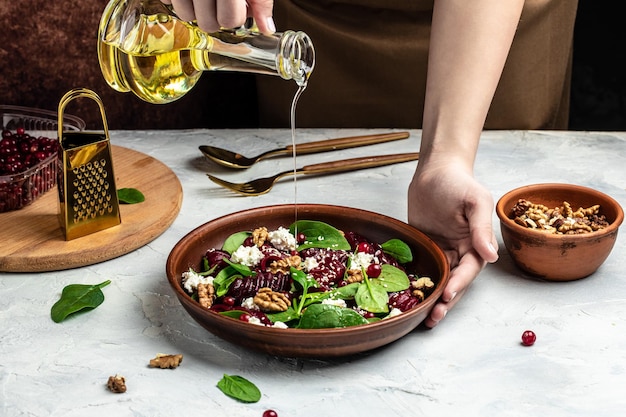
263 185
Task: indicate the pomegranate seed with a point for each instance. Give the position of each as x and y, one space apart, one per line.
270 413
245 317
229 301
528 338
19 131
301 238
374 270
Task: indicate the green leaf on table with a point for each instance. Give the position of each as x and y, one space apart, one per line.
130 196
77 297
398 249
239 388
324 316
319 235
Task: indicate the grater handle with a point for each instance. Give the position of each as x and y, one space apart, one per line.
76 93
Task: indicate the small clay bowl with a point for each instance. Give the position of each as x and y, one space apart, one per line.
558 257
429 260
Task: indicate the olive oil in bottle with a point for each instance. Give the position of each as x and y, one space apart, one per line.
144 48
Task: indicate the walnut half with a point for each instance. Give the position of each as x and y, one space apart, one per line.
271 301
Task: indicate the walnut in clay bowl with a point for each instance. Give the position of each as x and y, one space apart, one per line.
428 260
554 245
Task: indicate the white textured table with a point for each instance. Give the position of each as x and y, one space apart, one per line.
472 364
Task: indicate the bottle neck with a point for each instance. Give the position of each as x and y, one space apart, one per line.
289 55
296 58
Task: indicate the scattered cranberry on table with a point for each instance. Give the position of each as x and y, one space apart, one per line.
528 338
270 413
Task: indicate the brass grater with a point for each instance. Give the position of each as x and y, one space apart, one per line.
87 194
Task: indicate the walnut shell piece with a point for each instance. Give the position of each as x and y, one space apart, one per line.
165 361
117 384
271 301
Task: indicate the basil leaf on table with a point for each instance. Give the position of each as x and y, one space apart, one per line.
130 196
239 388
77 297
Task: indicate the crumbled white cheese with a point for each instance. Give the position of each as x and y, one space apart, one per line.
394 312
282 239
255 320
191 280
280 325
247 255
310 263
338 303
360 260
249 304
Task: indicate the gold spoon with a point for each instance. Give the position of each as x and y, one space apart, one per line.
236 160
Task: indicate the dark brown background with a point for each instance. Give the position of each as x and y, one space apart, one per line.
47 48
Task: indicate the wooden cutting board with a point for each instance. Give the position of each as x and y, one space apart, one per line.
31 239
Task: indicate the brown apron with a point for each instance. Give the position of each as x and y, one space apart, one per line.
371 58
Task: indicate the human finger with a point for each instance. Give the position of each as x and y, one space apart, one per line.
206 15
461 277
184 9
261 11
231 13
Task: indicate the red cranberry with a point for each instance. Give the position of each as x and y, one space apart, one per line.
528 338
374 270
229 301
364 247
270 413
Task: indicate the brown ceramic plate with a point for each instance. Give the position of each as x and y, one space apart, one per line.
428 260
559 257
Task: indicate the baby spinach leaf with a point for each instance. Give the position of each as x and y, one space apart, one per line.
398 249
224 279
239 388
235 240
347 292
324 316
242 269
130 196
391 279
319 235
77 297
305 281
372 298
235 314
284 316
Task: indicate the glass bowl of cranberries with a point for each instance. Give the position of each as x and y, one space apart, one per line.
28 154
265 281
